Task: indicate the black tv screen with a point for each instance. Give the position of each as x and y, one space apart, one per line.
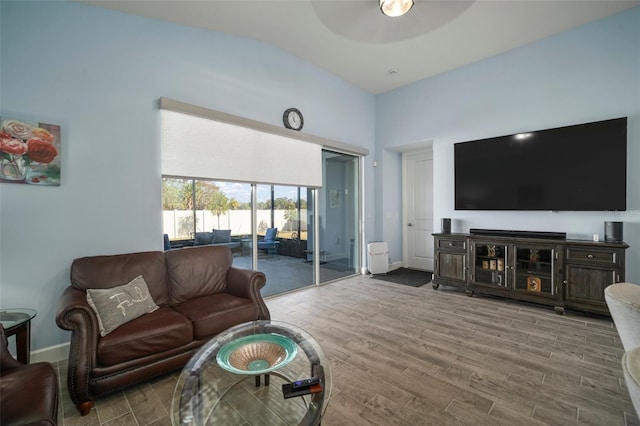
581 168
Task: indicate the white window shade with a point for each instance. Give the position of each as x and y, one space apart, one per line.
205 148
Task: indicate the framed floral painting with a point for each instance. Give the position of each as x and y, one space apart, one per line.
29 152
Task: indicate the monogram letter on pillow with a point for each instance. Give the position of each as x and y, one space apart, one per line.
118 305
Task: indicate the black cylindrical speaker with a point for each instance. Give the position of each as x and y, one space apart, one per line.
446 225
613 232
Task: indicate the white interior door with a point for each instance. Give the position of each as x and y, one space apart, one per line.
418 209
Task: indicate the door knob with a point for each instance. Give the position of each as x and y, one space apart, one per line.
410 224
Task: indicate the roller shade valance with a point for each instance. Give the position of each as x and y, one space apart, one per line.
199 147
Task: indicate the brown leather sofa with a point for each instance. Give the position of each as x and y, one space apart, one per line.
199 294
28 393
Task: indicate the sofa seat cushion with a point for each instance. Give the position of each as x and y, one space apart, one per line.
232 245
216 313
29 395
158 331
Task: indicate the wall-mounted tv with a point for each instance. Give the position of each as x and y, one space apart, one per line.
580 168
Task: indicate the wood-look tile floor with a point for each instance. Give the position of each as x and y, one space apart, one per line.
416 356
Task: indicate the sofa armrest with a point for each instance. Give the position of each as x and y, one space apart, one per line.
247 283
75 314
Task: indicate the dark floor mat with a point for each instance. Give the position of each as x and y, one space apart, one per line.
405 276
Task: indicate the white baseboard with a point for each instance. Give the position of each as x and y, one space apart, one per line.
392 267
51 354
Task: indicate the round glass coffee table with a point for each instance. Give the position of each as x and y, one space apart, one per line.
238 376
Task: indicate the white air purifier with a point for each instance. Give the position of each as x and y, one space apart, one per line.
378 253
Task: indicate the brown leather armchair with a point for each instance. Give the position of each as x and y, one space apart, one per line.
28 393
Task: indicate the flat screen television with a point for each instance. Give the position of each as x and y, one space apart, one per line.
578 168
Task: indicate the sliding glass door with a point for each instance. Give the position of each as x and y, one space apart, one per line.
281 222
338 215
281 240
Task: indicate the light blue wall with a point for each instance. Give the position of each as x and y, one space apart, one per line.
587 74
99 74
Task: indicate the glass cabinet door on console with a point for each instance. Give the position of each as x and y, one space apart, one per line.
534 272
490 261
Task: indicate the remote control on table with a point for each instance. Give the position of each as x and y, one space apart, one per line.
305 383
289 392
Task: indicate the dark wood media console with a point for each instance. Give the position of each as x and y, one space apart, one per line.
557 272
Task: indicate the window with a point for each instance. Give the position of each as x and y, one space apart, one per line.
191 205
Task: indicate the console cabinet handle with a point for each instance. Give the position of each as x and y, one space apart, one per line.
590 256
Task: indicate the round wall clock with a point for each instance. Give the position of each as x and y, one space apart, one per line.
292 119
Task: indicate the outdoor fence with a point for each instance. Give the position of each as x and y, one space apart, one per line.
179 223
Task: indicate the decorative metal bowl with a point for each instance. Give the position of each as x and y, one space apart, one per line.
257 354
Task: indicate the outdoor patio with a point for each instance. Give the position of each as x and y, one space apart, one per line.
285 273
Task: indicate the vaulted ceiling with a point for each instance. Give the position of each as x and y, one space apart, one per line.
352 39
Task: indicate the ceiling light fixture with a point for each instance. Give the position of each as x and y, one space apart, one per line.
395 8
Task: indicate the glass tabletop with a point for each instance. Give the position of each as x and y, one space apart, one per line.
15 317
209 391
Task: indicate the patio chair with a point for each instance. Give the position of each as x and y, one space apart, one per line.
269 243
168 245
